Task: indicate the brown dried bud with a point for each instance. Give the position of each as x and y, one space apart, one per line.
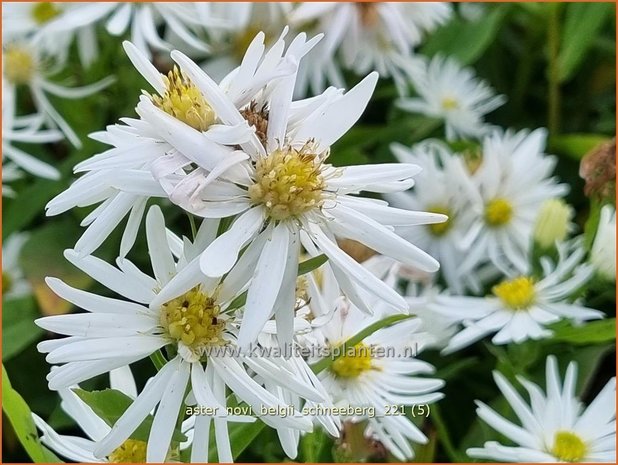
598 169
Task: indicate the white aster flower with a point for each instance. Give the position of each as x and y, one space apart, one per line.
377 36
290 188
179 307
378 372
438 188
25 129
555 427
189 132
603 253
521 306
14 284
54 25
454 94
81 449
24 63
504 196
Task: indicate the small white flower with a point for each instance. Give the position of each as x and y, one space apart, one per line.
603 253
454 94
555 427
14 284
379 372
179 307
25 129
81 449
24 63
377 36
504 196
438 188
521 306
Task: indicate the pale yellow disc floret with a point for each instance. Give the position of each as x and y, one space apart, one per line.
498 212
569 447
19 64
440 229
355 361
43 12
130 451
288 183
184 101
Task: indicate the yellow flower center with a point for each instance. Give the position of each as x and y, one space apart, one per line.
193 319
184 101
19 64
288 182
449 103
131 451
498 212
440 229
43 12
568 447
355 361
7 283
552 224
517 293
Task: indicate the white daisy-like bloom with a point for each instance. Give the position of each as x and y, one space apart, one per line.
24 63
438 188
189 131
555 426
452 93
521 306
25 129
81 449
603 253
142 21
504 196
179 307
53 26
377 36
14 283
378 372
289 188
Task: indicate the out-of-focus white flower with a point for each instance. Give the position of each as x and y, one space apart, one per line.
377 36
553 223
438 188
14 284
523 305
24 64
603 253
179 306
143 20
25 129
378 372
504 196
555 426
53 26
452 93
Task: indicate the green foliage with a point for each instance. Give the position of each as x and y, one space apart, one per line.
18 328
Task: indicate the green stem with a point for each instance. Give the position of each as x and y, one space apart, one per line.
553 42
193 226
158 359
443 435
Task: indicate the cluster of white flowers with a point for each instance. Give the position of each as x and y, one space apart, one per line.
289 258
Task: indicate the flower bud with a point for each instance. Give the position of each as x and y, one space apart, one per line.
553 222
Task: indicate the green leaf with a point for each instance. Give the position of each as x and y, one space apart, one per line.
110 404
340 350
241 436
581 27
575 146
312 446
311 264
18 317
20 417
463 39
595 332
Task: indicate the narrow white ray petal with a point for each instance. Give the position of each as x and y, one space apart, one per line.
161 257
